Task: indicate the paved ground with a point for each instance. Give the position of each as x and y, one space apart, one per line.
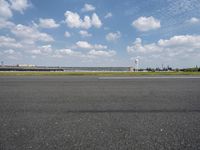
83 113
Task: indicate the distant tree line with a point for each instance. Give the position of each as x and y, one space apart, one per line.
196 69
160 69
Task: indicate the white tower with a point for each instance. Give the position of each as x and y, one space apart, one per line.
136 64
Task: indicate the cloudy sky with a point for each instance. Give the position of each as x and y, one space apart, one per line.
100 32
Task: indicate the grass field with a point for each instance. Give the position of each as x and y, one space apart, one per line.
39 73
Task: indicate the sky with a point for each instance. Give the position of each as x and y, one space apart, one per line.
100 33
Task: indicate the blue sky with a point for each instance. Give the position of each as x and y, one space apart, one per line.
100 33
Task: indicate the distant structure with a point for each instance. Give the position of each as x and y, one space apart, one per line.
25 65
136 64
131 69
2 63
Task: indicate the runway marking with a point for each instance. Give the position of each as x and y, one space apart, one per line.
166 77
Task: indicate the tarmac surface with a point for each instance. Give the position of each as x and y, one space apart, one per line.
99 113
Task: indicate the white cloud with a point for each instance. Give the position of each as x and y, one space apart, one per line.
146 23
73 20
7 42
194 20
67 34
10 51
48 51
6 24
35 52
46 48
5 10
84 45
176 46
96 21
66 52
102 53
48 23
185 41
19 5
99 46
108 15
88 7
113 36
11 54
138 47
6 7
42 50
84 33
95 50
30 34
86 23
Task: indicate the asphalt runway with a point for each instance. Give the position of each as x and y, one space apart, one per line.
98 113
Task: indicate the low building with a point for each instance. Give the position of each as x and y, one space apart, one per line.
25 65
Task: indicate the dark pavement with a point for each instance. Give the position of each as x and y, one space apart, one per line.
88 113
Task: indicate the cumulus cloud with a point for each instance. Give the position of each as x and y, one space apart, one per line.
10 51
6 7
11 54
89 55
95 50
113 36
146 23
35 52
193 20
60 53
67 34
6 24
30 34
99 46
86 45
5 10
88 7
73 20
176 46
48 23
108 15
101 53
96 22
181 41
68 52
19 5
139 47
42 50
7 42
47 51
84 33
